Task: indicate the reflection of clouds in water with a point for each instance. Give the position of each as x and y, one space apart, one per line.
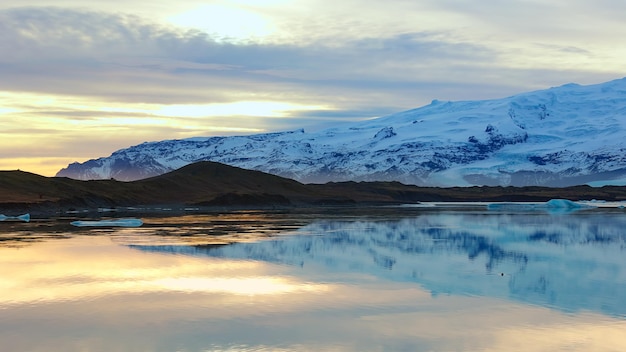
593 336
63 271
237 286
481 325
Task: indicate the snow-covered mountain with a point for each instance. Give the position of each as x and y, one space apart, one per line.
560 136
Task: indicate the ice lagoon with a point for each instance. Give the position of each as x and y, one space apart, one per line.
429 278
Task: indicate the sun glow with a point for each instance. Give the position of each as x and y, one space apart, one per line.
240 108
225 22
240 286
75 128
130 272
39 165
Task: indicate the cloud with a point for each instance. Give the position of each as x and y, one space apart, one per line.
79 64
122 57
127 58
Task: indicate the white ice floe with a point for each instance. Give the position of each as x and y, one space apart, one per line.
24 217
109 223
553 205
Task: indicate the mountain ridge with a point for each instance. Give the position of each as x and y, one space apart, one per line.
561 136
211 185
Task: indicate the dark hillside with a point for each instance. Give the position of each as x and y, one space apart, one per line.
204 181
398 192
213 184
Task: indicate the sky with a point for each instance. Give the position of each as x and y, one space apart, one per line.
81 79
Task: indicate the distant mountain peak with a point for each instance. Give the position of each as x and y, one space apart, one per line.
566 135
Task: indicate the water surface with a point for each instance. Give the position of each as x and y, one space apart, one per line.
381 279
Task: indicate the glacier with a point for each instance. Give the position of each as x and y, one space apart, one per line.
561 136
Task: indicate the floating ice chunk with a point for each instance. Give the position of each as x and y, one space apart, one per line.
553 205
109 223
565 204
25 217
512 206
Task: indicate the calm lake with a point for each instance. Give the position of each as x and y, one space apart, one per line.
454 278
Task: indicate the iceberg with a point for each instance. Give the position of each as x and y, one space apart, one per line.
25 217
565 204
553 206
109 223
512 206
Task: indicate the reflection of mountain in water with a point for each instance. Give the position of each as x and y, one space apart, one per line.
571 262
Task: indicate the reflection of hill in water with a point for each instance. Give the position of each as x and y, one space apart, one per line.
571 262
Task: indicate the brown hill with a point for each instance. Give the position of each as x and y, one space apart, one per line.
202 183
214 184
